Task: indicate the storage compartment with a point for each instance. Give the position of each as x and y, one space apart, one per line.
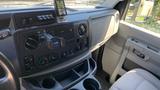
67 77
92 64
91 84
82 68
34 82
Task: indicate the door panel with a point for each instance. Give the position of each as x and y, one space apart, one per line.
132 44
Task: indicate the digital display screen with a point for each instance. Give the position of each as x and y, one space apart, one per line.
60 8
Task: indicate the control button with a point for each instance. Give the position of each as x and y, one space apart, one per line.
70 52
40 18
29 62
27 21
44 17
48 17
56 43
51 16
64 54
67 53
86 42
45 60
41 37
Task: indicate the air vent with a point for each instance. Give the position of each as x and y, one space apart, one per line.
32 42
82 29
2 73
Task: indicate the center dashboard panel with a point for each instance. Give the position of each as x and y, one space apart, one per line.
42 42
50 50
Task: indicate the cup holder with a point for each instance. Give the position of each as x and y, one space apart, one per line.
73 89
48 83
91 84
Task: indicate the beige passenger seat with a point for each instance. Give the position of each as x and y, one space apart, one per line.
137 79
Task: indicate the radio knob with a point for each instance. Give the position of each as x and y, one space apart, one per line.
42 60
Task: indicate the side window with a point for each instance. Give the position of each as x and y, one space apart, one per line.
144 13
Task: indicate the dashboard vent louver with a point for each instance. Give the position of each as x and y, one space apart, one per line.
2 73
32 42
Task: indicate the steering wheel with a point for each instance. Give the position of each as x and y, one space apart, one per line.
8 78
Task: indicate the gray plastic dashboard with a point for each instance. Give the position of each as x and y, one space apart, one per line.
103 23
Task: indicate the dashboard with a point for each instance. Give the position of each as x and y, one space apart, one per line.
50 52
36 40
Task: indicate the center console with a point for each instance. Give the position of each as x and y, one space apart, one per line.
66 80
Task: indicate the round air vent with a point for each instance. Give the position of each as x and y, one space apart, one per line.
3 73
32 42
82 29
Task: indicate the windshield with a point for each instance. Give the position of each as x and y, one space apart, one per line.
33 3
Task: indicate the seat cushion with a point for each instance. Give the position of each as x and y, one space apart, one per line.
137 79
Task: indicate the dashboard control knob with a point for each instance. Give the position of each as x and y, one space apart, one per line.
42 60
